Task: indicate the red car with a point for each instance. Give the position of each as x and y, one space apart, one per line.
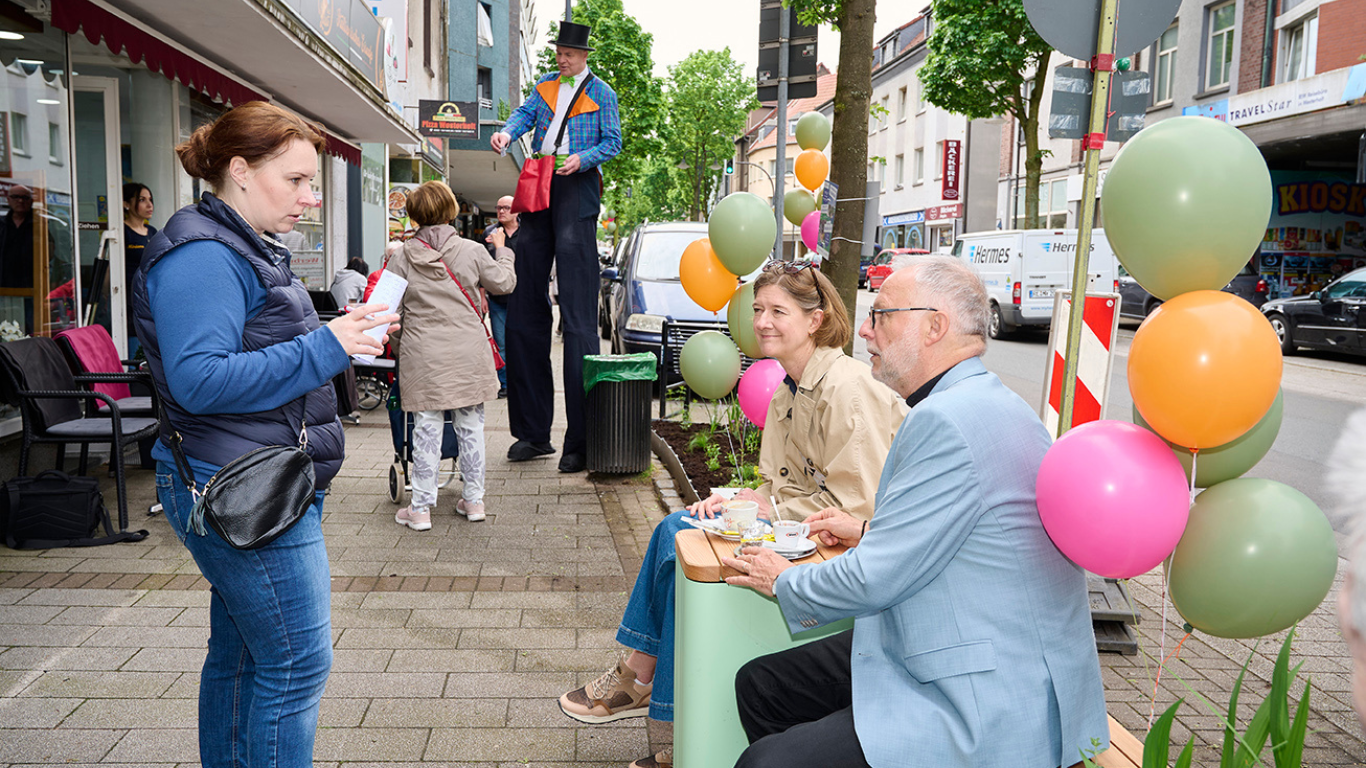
882 265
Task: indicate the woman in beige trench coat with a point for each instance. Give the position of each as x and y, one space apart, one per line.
444 359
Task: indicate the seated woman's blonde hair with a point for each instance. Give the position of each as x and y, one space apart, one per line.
811 290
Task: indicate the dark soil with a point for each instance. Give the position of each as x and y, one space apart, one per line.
695 462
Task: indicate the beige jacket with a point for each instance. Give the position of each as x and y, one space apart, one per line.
444 360
825 445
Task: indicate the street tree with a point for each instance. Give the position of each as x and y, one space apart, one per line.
707 97
986 60
849 134
622 57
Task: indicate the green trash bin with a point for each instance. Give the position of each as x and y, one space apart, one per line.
618 390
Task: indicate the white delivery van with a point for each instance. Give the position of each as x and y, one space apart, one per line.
1024 268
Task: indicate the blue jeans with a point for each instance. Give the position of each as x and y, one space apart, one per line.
498 318
648 624
270 638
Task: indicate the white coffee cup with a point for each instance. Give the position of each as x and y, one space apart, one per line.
739 514
790 534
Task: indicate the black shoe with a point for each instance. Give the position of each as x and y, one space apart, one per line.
525 450
573 462
502 393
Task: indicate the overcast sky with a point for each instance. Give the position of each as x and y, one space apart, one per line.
679 28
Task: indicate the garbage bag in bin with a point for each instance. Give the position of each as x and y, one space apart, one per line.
619 389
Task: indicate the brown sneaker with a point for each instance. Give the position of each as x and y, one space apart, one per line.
614 696
662 759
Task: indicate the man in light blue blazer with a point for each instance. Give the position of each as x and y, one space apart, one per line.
972 642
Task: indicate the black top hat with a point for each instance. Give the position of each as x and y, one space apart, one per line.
574 35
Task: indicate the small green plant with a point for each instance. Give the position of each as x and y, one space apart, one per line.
701 439
747 476
713 452
1271 721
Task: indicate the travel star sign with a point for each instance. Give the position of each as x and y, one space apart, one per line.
952 166
448 119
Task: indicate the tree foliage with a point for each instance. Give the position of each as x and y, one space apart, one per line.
984 57
622 58
707 99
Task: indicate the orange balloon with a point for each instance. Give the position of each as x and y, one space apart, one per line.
704 278
1204 368
812 167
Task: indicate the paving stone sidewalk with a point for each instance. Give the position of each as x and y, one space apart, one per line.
451 645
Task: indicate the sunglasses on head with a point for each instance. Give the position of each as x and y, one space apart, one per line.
788 267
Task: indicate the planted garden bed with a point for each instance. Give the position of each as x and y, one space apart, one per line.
712 454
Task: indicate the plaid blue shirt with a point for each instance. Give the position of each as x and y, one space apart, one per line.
595 136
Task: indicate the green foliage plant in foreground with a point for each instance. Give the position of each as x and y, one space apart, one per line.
1272 722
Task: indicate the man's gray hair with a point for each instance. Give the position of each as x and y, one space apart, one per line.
953 287
1346 480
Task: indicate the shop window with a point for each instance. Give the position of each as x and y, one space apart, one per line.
1166 65
1298 44
1219 48
19 131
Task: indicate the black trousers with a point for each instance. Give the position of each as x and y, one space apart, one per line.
563 235
797 707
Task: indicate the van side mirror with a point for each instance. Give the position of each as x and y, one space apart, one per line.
611 275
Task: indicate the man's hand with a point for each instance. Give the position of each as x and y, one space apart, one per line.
500 141
571 165
498 237
835 526
760 566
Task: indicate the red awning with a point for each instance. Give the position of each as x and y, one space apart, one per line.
118 35
342 149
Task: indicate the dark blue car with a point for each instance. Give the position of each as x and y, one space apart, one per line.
641 291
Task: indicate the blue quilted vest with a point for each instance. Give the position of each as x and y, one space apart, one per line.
220 438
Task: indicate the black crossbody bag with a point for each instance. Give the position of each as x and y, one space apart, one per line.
255 498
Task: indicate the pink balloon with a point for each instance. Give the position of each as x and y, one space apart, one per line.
1113 497
811 229
758 385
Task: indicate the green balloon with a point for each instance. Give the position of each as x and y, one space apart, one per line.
611 226
742 231
1257 556
710 364
611 214
1186 203
1230 460
796 204
813 131
740 320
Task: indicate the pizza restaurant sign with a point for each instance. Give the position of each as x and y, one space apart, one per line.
1293 98
448 119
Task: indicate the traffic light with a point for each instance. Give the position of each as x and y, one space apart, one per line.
730 166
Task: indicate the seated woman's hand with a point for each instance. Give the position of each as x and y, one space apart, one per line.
350 329
835 526
708 508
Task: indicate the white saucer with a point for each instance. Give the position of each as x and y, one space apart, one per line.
808 547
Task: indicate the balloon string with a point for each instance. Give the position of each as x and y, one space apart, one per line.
1176 652
1161 652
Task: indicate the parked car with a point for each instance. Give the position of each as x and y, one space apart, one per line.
1333 318
1135 301
641 291
863 263
881 268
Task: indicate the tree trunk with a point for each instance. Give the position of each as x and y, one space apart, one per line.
849 150
1033 158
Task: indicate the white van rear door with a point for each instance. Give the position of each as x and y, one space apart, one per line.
1044 270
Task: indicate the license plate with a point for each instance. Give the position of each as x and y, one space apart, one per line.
1040 293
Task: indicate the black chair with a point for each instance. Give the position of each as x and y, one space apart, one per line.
49 397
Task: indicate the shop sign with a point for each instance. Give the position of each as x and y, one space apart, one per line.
942 212
448 119
1316 232
913 217
350 28
434 152
1217 110
952 166
1292 98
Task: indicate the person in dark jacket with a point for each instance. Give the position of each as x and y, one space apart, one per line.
249 367
498 305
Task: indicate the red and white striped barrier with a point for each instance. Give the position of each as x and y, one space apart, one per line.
1099 329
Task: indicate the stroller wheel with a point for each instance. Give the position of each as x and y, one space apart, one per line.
447 475
396 484
371 392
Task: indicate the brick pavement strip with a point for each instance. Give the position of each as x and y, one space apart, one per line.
451 646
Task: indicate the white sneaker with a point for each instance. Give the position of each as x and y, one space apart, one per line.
472 510
419 520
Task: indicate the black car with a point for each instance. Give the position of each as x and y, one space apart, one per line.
863 263
1135 301
1333 318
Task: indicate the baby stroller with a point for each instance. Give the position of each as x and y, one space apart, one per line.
401 427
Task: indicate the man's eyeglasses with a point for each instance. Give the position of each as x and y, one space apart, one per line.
788 267
873 313
504 207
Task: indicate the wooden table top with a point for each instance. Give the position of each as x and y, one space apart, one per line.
701 553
